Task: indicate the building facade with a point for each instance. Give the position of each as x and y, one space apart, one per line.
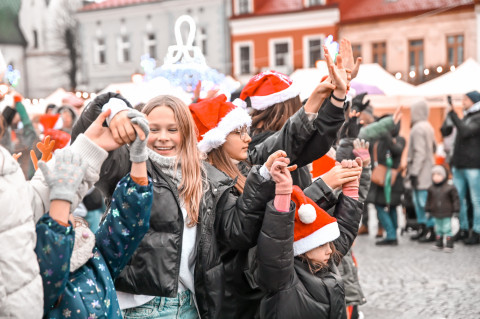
414 39
283 34
117 33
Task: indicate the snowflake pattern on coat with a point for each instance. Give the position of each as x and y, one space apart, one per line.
89 292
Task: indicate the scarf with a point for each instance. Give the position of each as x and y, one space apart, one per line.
167 165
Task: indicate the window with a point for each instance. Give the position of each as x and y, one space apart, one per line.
202 40
244 6
416 60
455 50
357 51
311 3
100 51
124 48
245 59
151 45
379 51
35 39
280 54
313 51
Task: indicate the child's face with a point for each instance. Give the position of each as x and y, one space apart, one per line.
164 137
320 254
437 178
236 144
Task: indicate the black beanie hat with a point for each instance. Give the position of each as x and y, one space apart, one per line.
474 96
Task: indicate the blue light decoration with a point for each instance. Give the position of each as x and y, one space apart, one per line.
184 64
332 46
12 75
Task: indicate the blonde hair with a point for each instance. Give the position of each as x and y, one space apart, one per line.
220 159
192 185
274 117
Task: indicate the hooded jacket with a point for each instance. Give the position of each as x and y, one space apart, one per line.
442 199
421 147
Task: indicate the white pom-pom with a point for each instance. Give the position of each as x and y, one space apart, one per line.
307 213
240 102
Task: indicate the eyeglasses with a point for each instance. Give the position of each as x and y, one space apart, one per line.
243 132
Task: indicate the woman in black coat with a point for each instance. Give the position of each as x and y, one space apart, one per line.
393 146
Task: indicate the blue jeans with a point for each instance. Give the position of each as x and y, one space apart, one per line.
443 226
388 219
419 197
463 178
181 307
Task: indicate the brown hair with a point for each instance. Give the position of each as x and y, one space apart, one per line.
192 185
274 117
220 159
2 126
315 266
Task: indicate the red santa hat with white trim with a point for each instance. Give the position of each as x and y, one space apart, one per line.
313 226
215 119
266 89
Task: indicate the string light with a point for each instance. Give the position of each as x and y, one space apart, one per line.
439 69
426 71
412 74
452 68
398 75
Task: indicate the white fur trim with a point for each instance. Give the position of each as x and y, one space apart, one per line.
263 102
322 236
214 138
240 102
307 213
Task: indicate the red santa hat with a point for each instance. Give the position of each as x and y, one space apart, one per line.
215 119
266 89
313 226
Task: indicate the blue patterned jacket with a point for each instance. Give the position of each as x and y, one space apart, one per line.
89 292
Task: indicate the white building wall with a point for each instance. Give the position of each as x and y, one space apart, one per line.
209 14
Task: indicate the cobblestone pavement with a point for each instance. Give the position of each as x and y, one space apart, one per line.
412 280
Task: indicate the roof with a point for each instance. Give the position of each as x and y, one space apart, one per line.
111 4
357 11
268 7
10 29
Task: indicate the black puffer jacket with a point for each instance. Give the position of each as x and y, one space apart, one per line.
223 218
466 151
303 140
294 292
442 199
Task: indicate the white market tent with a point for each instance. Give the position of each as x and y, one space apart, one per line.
465 78
370 74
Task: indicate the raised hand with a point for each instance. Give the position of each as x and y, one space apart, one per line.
347 54
280 172
360 149
122 128
337 73
350 189
102 136
273 157
66 176
321 92
138 149
339 175
46 148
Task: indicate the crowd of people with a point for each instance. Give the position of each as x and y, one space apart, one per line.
213 210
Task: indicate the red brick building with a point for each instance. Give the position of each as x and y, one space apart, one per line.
279 34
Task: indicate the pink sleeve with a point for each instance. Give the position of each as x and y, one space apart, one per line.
282 202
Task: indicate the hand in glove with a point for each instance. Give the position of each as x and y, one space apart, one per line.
138 149
360 149
66 176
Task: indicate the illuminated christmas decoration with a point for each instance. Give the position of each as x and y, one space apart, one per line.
184 64
12 75
332 46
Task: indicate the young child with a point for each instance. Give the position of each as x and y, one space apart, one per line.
300 247
442 203
77 266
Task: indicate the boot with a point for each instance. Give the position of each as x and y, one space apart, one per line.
449 245
387 242
428 237
439 242
363 230
379 232
461 235
474 239
421 231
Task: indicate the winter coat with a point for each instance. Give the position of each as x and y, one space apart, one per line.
19 272
421 146
466 151
224 219
304 141
292 290
376 194
89 291
377 129
442 200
